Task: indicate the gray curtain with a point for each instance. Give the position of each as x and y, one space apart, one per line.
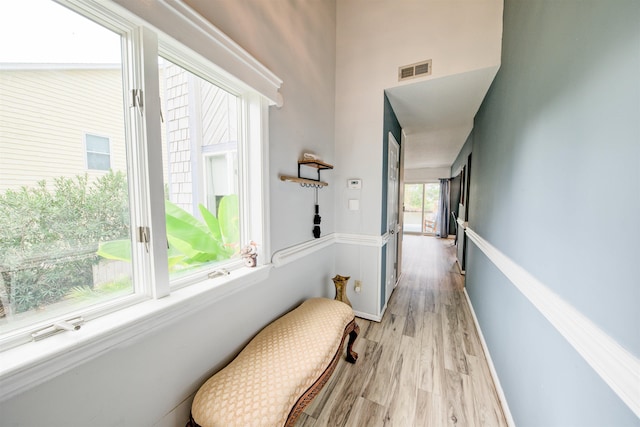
442 218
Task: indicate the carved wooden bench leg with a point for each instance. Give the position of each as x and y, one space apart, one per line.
352 356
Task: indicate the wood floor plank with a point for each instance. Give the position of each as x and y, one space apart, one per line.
367 413
423 364
455 358
402 407
372 331
378 388
485 397
338 407
431 377
344 374
399 304
456 406
305 421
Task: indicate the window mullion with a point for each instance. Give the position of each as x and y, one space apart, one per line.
150 163
253 169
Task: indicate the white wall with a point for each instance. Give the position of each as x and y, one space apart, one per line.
425 175
373 39
150 380
298 45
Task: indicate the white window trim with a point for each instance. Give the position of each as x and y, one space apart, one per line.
86 151
28 365
177 20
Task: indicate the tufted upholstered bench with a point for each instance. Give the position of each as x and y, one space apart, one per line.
280 371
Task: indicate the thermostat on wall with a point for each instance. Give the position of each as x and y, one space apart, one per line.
354 184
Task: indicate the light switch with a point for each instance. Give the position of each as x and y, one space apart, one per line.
354 204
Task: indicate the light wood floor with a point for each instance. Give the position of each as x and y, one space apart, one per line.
423 365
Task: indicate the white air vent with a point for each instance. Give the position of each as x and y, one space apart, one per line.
418 69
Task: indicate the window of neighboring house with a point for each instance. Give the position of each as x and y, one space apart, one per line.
98 153
184 158
221 176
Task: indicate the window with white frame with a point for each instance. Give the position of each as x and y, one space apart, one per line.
202 203
98 152
183 154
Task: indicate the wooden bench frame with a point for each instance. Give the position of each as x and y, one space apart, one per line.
352 330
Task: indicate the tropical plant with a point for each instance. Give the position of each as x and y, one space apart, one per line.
191 241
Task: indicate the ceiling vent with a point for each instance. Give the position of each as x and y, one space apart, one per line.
412 71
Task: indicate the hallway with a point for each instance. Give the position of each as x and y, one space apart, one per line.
423 365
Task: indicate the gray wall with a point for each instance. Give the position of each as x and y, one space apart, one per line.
556 147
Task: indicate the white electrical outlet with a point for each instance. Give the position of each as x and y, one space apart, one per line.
357 286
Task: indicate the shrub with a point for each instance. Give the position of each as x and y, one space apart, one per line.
48 237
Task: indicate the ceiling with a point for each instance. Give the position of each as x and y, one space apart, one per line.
437 114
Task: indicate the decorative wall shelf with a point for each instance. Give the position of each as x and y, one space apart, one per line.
311 183
303 181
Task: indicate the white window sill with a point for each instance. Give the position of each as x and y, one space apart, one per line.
31 364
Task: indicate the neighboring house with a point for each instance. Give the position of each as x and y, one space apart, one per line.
50 128
211 172
555 152
64 120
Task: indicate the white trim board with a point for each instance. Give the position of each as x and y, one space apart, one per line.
367 316
492 368
301 250
178 20
615 365
29 365
292 253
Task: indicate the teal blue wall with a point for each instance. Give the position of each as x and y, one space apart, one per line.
556 187
390 124
463 155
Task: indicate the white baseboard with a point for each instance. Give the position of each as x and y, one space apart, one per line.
492 369
178 416
367 316
612 362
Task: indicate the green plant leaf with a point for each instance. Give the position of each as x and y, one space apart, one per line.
189 235
229 219
190 240
211 221
115 249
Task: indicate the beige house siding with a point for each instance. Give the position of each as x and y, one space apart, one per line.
44 116
46 112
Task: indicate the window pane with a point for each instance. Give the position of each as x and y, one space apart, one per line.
200 140
431 197
98 153
55 83
97 144
413 198
98 161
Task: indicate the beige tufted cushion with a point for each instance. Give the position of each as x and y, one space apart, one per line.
261 385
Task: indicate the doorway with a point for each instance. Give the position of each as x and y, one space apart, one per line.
420 208
392 217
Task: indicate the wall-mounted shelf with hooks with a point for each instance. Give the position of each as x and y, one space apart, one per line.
308 182
303 181
312 183
314 164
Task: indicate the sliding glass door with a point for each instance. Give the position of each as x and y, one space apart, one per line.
420 207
